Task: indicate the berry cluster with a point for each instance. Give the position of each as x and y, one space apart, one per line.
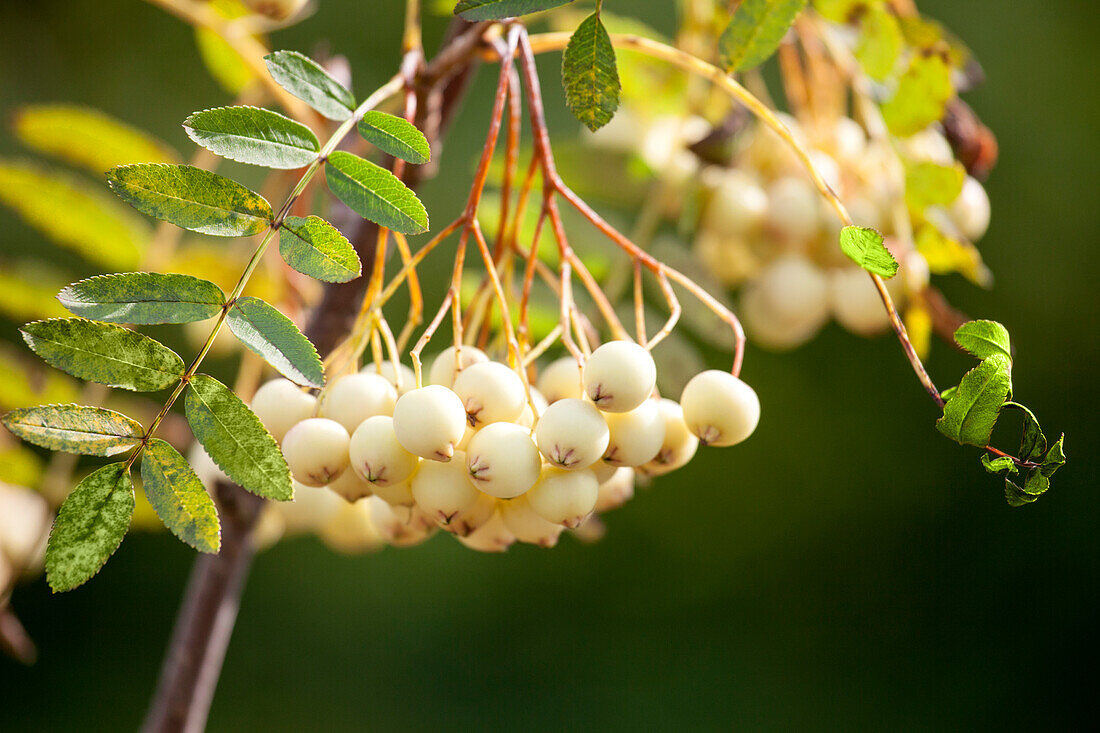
483 455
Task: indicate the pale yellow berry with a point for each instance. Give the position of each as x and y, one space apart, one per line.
280 404
572 434
402 377
680 443
351 531
493 536
352 399
443 368
351 487
429 422
855 302
636 436
737 206
24 518
442 490
503 460
310 508
472 517
490 392
564 497
561 379
401 526
719 408
619 376
971 210
526 524
793 210
377 456
399 494
316 450
616 491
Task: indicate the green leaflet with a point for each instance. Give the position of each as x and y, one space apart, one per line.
865 247
178 497
755 31
395 136
375 194
305 79
191 198
590 75
89 527
929 184
1033 444
880 42
90 431
104 353
95 225
274 337
86 137
496 9
143 298
253 135
236 440
971 413
922 94
314 247
983 339
1000 464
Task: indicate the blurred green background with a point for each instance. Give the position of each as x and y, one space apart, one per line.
846 568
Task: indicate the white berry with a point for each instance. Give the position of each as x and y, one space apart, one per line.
636 436
572 434
971 210
399 494
616 491
719 408
490 392
564 497
402 377
429 422
350 530
310 508
472 517
502 460
442 490
316 450
855 302
527 525
619 376
280 404
376 455
793 208
738 205
560 380
443 368
351 487
680 443
401 526
493 536
352 399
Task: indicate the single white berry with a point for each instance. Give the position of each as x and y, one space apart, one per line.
564 497
971 210
352 399
527 417
316 450
636 436
472 517
616 491
493 536
310 508
680 443
429 422
280 404
603 470
490 392
855 301
402 377
351 531
619 376
401 526
719 408
376 455
928 145
502 460
738 205
442 490
399 494
526 524
443 368
560 380
787 304
351 487
24 518
849 140
572 434
793 208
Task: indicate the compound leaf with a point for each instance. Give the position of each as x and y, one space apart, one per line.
191 198
473 10
89 527
255 136
104 353
970 414
982 339
395 136
316 248
865 247
235 439
89 431
274 337
305 79
375 194
143 298
178 497
590 75
755 31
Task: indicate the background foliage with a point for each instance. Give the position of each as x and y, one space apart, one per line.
794 580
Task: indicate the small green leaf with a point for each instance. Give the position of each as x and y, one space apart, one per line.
1055 457
89 527
880 42
89 431
1015 496
865 247
143 298
305 79
375 194
104 353
236 440
755 31
921 97
253 135
274 337
1033 444
970 415
316 248
395 136
590 75
999 464
473 10
930 184
191 198
178 497
948 393
982 339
